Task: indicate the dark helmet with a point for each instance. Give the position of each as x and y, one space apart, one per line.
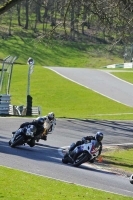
51 116
99 136
40 120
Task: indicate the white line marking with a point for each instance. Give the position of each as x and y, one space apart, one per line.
123 144
86 86
49 177
111 114
118 78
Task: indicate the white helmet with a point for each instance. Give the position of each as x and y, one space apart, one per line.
131 179
51 116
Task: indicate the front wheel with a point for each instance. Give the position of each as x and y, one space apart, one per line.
82 158
19 140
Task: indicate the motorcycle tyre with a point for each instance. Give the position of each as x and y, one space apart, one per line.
9 142
17 142
64 160
82 160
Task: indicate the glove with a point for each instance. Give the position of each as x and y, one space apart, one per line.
84 140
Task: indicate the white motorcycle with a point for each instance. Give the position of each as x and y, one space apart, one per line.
86 152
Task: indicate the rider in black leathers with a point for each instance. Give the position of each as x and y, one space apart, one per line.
39 126
98 137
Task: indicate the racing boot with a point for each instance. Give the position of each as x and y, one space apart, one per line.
44 137
31 143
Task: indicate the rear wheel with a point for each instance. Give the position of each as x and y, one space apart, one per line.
82 158
31 143
66 159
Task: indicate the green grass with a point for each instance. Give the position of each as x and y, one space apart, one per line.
127 76
16 184
120 158
67 99
59 53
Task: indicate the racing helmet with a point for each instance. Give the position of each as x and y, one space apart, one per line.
40 120
131 179
51 116
99 136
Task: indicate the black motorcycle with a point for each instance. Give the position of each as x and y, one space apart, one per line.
22 136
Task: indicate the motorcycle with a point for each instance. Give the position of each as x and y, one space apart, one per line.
22 136
86 152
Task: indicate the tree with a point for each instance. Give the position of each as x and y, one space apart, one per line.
101 20
9 4
27 14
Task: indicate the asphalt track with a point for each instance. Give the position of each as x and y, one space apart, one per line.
45 158
100 81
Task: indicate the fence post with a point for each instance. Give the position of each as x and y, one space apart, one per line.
29 98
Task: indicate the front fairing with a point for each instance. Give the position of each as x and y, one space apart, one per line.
92 148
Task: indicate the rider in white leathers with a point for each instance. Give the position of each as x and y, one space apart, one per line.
49 125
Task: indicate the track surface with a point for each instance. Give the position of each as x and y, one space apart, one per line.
101 81
45 158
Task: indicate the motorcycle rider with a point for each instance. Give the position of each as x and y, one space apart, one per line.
38 123
98 137
49 125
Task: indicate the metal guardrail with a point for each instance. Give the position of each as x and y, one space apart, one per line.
22 110
4 104
5 81
36 110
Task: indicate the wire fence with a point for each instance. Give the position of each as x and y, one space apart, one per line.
6 74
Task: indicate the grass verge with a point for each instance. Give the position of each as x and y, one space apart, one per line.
127 76
17 184
67 99
120 159
60 53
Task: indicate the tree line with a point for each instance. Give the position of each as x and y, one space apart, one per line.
108 21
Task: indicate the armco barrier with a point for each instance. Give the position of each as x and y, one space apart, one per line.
122 65
36 110
4 104
22 110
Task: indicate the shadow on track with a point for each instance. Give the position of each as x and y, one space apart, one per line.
40 152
